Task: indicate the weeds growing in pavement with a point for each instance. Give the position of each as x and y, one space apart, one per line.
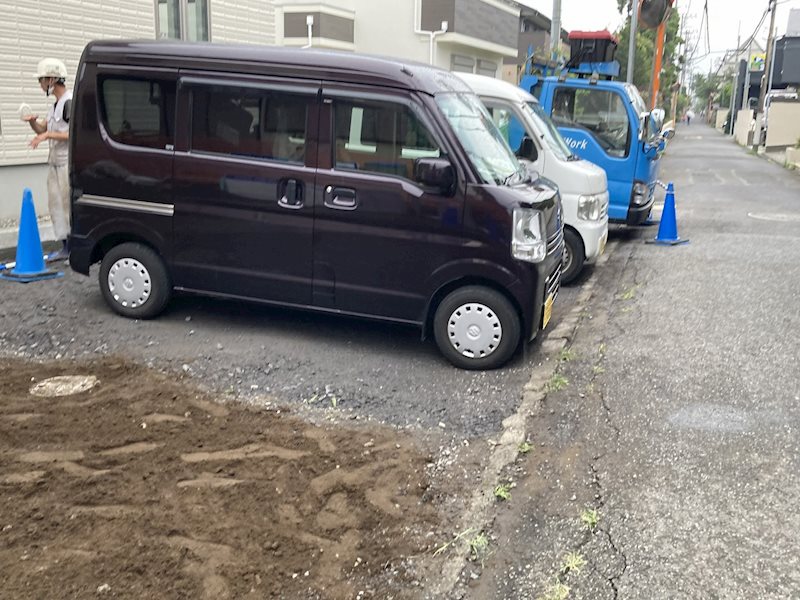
479 547
630 293
573 563
524 447
566 355
455 539
557 591
503 491
557 382
590 518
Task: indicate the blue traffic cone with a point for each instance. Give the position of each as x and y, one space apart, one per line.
30 260
668 227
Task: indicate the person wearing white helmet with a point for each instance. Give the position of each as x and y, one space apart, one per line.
52 74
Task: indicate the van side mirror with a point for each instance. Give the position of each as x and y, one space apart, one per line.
527 149
668 133
435 173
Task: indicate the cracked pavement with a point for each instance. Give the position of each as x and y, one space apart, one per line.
680 420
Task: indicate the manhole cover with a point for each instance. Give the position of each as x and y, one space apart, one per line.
64 385
775 217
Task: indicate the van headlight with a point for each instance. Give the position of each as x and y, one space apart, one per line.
640 194
528 240
590 207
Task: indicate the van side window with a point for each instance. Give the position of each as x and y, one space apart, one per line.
601 112
509 125
138 112
249 122
380 137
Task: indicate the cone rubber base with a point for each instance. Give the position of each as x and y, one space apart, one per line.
658 242
30 278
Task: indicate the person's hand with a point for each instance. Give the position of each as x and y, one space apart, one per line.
39 139
29 118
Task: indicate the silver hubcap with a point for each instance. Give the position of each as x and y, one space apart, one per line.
129 282
474 330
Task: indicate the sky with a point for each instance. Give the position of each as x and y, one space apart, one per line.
725 17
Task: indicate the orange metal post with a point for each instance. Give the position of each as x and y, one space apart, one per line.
660 35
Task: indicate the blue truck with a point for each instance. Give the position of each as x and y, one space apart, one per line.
607 123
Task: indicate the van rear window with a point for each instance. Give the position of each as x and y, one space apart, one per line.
138 112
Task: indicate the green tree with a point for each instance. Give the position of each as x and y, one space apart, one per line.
645 54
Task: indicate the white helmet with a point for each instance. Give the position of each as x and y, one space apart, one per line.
51 67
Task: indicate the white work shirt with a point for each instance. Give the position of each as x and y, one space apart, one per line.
58 121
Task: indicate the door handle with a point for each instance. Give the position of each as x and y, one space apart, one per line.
291 194
340 198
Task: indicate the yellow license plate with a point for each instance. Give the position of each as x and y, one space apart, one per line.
548 310
603 241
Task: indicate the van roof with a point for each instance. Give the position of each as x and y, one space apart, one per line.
483 85
277 61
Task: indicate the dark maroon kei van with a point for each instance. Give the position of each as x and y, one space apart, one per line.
319 180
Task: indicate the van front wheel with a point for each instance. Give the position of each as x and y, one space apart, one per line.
134 281
574 256
476 328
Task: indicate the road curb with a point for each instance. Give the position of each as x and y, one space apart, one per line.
506 451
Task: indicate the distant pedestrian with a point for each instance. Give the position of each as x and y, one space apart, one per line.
52 74
689 117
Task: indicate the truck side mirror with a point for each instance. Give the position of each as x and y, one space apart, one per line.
436 173
668 133
527 149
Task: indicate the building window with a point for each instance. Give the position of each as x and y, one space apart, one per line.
182 20
138 112
462 64
486 67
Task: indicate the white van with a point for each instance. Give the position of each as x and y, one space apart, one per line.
536 140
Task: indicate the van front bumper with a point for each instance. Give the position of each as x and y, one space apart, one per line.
594 235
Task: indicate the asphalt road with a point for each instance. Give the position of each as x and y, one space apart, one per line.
680 423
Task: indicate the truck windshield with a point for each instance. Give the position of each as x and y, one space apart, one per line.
480 138
550 134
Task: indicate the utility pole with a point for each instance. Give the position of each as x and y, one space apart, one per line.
632 42
555 31
762 94
735 83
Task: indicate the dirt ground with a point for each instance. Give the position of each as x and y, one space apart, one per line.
144 487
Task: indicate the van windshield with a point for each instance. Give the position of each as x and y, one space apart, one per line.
484 144
550 134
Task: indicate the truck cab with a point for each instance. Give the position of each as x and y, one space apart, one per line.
607 123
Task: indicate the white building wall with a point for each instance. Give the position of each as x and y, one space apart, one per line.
387 29
243 21
31 30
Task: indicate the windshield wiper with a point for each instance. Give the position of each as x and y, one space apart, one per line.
507 181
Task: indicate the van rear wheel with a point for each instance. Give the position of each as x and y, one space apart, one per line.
476 328
134 281
574 256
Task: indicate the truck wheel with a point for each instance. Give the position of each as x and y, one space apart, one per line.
574 256
476 328
134 281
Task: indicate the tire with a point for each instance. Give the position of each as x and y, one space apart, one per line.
574 256
134 281
476 327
